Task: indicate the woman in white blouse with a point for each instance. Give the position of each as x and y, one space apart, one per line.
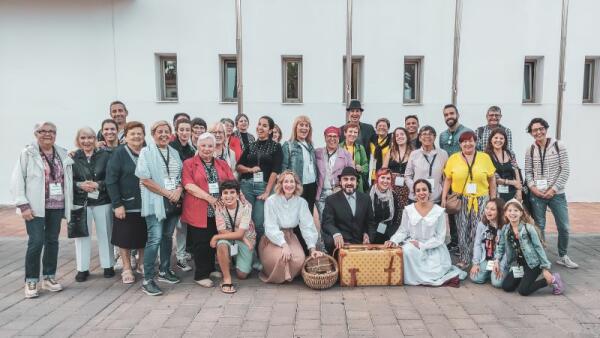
422 234
280 251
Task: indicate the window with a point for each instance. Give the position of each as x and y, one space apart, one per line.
412 79
589 79
355 78
167 77
228 78
532 80
292 79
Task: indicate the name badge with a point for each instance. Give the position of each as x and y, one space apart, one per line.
518 271
399 181
94 194
170 184
432 182
503 189
471 188
489 266
213 188
233 250
258 177
541 184
381 228
55 189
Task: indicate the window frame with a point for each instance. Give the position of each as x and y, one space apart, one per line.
224 60
532 64
591 97
356 59
418 62
285 59
161 92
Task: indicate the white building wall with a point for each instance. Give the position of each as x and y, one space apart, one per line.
65 60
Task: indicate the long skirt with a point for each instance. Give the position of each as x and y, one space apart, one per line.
275 270
466 224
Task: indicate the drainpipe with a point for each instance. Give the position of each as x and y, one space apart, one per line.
238 51
348 69
561 68
457 24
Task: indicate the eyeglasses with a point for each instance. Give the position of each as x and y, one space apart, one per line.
538 130
46 131
495 115
331 136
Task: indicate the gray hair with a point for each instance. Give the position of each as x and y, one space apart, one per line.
494 109
39 125
205 136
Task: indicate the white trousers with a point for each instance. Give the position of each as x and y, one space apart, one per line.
101 216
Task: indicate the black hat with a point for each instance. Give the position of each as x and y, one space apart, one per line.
354 104
348 171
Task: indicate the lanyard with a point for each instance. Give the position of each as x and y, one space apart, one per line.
348 149
51 163
543 155
206 169
232 221
470 165
496 157
430 162
133 158
166 160
307 150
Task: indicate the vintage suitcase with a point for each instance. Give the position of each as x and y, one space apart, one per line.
370 264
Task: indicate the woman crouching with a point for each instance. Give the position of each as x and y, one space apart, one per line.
280 250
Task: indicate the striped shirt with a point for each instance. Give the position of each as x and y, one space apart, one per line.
483 134
556 165
174 171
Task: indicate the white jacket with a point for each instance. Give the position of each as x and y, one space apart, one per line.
28 180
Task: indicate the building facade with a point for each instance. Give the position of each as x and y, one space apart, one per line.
65 60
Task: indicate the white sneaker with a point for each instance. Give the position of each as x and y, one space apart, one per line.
118 263
133 262
567 262
31 290
51 284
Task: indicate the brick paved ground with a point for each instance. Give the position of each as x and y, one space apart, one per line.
106 308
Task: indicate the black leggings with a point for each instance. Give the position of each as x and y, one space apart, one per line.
526 285
309 193
204 255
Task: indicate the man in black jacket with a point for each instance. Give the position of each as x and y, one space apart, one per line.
365 131
348 214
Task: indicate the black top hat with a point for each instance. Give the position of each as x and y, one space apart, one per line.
354 104
348 171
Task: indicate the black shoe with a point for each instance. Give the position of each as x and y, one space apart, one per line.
109 273
82 276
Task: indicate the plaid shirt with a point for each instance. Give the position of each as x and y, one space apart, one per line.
483 134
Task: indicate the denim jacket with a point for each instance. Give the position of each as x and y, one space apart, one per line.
532 248
293 158
479 246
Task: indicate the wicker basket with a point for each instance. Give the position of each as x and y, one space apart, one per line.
320 273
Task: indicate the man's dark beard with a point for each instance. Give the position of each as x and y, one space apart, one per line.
451 124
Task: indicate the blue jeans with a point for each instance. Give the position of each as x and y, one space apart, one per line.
484 275
560 211
160 235
251 191
43 233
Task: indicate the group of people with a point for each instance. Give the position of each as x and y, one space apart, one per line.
264 204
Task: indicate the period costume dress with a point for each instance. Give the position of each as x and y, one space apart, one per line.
430 264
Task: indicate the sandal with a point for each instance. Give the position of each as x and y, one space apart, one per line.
231 288
127 277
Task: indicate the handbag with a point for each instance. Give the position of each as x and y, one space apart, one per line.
173 208
454 202
77 226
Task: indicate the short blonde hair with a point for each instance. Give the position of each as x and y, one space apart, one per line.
160 124
297 120
83 130
281 177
